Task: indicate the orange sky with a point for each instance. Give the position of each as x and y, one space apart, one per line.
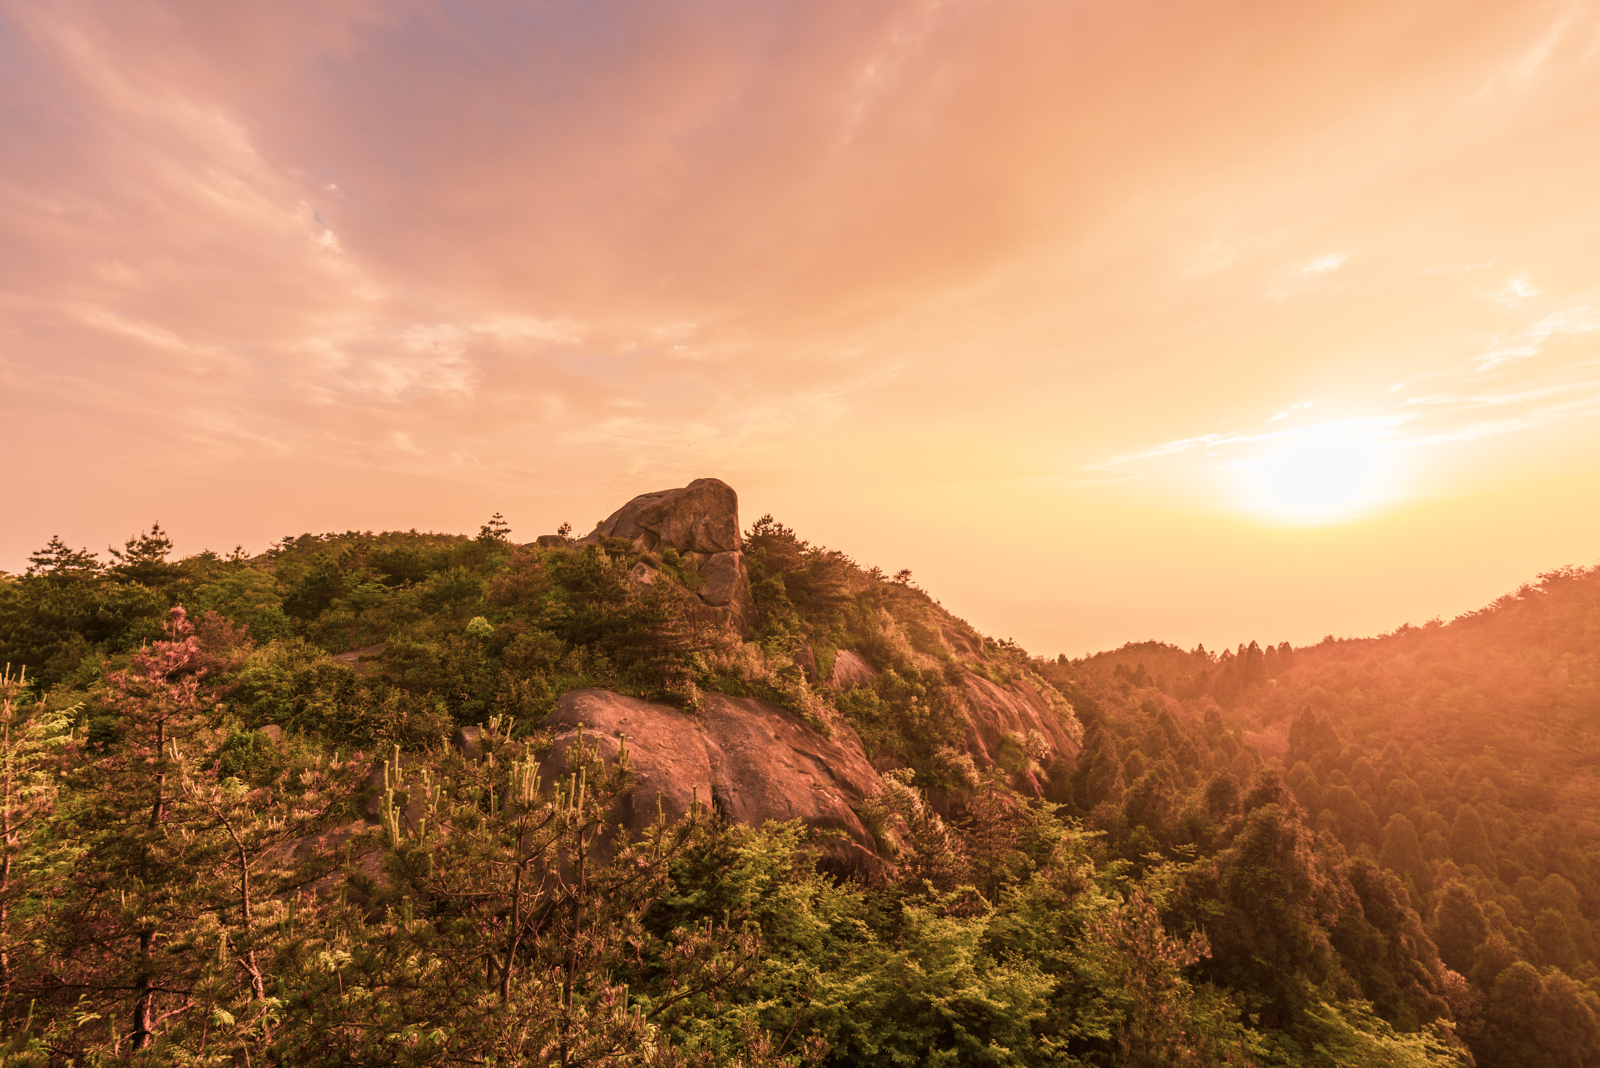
1111 320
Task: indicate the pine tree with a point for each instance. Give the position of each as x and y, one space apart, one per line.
495 530
180 875
513 927
32 742
58 561
143 557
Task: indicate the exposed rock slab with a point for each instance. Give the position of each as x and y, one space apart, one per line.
850 668
752 760
805 658
1018 707
991 711
724 574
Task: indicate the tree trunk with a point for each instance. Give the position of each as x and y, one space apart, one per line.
144 1000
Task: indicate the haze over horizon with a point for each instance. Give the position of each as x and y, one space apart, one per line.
1202 323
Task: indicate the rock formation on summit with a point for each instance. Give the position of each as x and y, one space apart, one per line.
701 518
700 522
755 761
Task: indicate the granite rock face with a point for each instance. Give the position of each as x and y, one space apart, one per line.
992 711
1017 708
700 522
750 760
702 517
850 669
725 578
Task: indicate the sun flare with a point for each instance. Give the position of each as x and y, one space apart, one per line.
1333 473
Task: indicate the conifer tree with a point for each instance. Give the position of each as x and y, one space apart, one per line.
143 557
57 560
514 922
160 931
32 741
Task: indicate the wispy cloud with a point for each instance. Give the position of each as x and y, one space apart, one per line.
1308 276
1514 291
1324 264
1293 409
1576 320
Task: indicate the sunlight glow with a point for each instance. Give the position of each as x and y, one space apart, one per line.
1332 473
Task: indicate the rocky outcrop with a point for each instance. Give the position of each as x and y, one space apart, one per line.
702 517
700 522
992 711
749 759
1017 708
850 668
805 658
725 579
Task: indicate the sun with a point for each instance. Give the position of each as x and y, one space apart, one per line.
1320 475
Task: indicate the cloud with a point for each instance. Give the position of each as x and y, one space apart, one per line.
1293 409
566 247
1324 264
1306 277
1515 291
1576 320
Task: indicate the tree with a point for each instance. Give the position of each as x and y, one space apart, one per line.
514 923
495 530
32 741
57 561
1553 940
1268 898
143 557
1469 843
1156 1016
179 877
1459 927
1402 851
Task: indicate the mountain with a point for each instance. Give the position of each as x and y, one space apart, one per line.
1458 759
684 791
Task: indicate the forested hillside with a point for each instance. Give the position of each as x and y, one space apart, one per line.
1449 767
237 829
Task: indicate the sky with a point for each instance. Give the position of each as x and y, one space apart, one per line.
1112 320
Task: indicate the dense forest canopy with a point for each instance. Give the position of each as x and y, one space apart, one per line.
235 831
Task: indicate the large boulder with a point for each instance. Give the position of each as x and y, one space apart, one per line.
749 759
701 522
725 577
702 517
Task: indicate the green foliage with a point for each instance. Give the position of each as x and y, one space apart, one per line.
143 558
249 597
182 881
1440 770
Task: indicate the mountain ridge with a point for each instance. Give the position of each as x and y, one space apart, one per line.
1386 848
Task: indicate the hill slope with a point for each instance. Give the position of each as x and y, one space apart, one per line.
718 795
1463 759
